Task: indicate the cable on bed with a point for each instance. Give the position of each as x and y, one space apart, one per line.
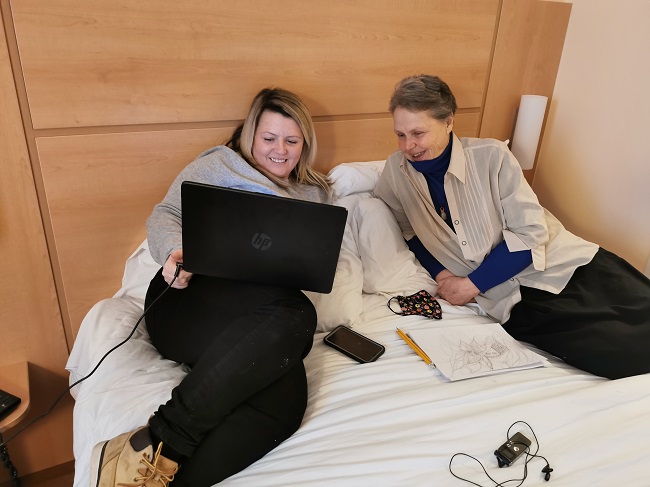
4 454
529 456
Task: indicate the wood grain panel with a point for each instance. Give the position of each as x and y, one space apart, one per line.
98 63
373 139
526 59
101 189
30 323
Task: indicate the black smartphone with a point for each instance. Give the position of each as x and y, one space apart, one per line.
354 345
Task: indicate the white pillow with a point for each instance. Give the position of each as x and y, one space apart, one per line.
343 305
138 273
388 265
351 183
354 177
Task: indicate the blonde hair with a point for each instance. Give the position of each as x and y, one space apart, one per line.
289 105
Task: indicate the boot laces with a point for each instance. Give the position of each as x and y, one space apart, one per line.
152 473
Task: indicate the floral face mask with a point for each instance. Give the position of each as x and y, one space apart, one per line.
420 303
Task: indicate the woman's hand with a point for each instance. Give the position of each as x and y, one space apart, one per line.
456 290
442 275
169 270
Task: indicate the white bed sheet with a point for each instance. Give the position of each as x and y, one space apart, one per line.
390 423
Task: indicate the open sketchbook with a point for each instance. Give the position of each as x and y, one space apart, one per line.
472 351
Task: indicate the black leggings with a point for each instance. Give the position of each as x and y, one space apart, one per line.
247 390
599 323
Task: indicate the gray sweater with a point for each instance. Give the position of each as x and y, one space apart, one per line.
219 166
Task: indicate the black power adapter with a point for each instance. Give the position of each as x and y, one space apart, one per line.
512 449
515 446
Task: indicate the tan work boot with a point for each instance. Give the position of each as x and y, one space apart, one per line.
130 460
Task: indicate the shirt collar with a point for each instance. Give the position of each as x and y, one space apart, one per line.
457 165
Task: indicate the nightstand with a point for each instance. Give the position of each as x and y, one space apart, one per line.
14 378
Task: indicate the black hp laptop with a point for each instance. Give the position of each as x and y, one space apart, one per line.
260 238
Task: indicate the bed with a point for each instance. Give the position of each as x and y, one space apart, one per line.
392 422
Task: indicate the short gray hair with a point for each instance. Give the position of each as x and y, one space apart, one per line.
424 92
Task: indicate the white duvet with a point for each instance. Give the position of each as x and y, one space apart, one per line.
393 422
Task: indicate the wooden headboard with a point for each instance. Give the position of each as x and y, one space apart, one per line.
121 95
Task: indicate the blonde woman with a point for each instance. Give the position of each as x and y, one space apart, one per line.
247 390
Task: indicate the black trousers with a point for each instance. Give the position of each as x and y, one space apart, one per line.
599 323
247 390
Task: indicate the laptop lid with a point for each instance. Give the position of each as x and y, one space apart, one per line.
260 238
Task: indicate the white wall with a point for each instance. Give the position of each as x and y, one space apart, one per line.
593 168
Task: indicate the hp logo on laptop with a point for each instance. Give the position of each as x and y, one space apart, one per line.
261 241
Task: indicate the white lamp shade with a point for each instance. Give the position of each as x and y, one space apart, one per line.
528 129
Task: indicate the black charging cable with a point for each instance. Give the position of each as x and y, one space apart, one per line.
4 457
529 456
4 454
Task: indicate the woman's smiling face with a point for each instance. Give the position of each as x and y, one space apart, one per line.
277 144
420 136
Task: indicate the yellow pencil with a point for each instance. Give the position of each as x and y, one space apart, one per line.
415 348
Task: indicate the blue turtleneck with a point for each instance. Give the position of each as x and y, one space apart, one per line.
498 266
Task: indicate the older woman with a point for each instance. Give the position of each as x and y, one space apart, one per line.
472 220
247 390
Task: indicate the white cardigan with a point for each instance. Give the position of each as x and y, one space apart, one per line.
489 201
